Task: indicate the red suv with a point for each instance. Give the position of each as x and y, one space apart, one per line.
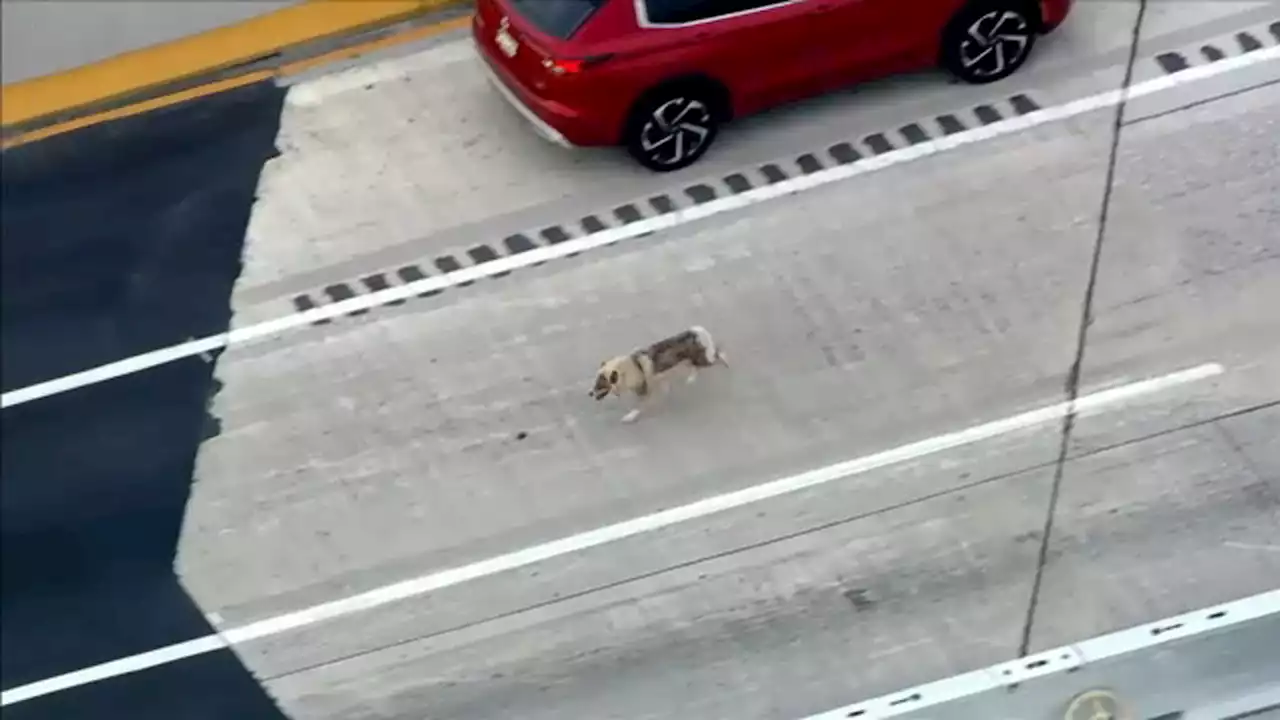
660 76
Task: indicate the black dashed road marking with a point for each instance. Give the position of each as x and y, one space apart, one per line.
950 124
1248 43
1211 53
481 254
378 282
303 303
701 193
413 273
518 243
375 282
1172 62
987 115
663 204
878 143
556 234
737 182
628 213
914 133
339 292
590 224
772 173
844 153
447 264
1023 105
808 164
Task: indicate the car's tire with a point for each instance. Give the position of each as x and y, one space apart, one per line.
672 127
988 40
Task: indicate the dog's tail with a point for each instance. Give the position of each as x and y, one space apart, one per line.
714 353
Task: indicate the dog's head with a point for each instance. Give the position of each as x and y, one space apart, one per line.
607 378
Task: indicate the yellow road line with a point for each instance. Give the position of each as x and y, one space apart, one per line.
294 68
136 109
201 53
354 51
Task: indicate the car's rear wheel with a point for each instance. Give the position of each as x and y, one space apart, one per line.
989 40
672 127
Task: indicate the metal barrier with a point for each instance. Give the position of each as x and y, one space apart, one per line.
1218 663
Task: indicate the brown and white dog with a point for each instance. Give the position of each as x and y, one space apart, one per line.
643 372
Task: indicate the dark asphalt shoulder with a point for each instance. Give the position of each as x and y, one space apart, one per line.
118 239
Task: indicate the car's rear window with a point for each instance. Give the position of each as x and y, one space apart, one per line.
558 18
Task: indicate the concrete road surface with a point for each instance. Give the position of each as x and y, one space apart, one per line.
861 316
431 159
921 299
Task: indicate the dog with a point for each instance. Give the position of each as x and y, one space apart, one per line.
643 372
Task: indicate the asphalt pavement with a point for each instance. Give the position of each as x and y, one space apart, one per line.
920 299
117 240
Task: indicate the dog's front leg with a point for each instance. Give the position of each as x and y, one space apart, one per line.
645 398
642 401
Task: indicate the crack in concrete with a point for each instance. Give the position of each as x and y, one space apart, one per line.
1086 318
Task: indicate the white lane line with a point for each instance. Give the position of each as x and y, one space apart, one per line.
395 592
243 335
1252 546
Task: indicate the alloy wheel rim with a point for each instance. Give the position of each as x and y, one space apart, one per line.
994 42
675 130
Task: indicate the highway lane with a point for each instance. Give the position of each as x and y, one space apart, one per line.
452 429
871 606
403 160
824 402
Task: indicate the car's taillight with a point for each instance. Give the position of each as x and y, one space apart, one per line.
565 66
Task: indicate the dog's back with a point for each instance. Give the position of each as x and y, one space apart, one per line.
683 347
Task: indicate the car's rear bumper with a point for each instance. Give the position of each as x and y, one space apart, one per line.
542 127
1053 13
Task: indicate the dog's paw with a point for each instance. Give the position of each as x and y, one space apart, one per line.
631 416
